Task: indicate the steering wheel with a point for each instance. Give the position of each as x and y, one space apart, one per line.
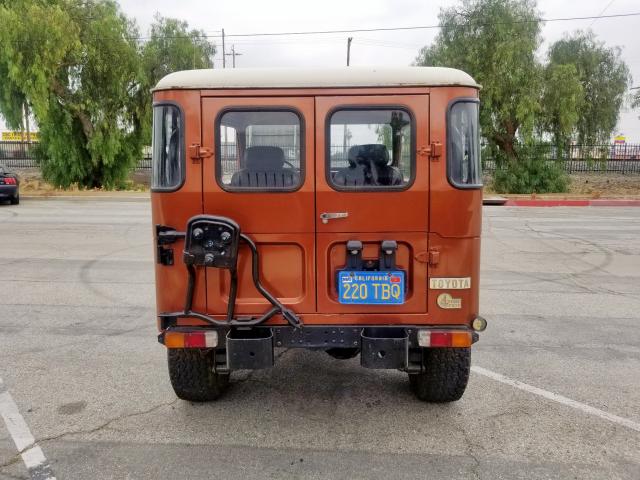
290 165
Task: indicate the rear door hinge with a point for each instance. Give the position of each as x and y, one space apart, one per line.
433 150
198 152
434 257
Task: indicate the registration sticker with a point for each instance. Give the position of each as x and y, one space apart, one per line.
371 288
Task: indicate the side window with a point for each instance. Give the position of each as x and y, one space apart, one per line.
167 158
259 150
370 149
463 145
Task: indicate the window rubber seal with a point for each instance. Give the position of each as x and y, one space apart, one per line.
259 108
453 183
327 148
183 160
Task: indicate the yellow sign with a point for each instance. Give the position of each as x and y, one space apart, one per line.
446 301
620 140
449 283
19 136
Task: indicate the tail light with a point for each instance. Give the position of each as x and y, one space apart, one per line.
444 338
9 181
199 339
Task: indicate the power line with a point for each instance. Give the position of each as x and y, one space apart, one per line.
383 29
425 27
393 29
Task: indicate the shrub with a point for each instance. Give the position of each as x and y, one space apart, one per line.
530 174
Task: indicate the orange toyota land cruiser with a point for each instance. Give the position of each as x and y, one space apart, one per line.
327 209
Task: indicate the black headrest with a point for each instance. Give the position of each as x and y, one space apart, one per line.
375 152
264 159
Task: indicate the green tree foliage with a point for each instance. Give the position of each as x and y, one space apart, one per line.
532 173
171 47
576 95
604 78
495 41
79 66
74 63
562 97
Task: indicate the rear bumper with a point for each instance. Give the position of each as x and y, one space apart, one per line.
383 347
8 191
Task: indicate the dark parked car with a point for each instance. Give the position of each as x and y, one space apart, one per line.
9 186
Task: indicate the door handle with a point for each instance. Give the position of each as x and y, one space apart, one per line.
326 216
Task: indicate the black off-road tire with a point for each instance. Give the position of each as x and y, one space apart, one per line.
192 376
445 375
15 200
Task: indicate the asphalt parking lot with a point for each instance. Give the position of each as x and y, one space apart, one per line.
555 391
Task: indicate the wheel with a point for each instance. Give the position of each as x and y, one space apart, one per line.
445 375
15 200
192 376
343 353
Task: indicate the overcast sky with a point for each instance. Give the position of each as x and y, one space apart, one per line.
371 48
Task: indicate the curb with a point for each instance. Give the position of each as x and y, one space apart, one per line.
573 203
117 198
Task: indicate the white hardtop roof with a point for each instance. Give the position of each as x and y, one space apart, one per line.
316 77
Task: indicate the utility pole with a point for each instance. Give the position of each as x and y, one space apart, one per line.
233 55
344 129
224 55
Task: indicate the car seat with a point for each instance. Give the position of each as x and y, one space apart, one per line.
368 166
264 168
357 174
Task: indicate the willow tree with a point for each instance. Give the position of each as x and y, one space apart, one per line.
171 47
604 79
575 95
496 42
76 63
81 68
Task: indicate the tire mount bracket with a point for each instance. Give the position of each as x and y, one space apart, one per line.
213 241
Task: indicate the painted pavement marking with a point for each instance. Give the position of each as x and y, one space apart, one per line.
31 453
554 397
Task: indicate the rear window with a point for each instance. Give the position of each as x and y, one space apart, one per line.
463 149
370 149
259 150
168 150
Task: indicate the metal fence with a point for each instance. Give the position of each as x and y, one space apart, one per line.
16 154
622 159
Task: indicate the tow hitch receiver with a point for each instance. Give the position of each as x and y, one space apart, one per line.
385 348
249 348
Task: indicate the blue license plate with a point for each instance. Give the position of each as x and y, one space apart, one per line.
371 288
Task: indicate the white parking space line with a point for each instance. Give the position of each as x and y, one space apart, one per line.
625 422
32 455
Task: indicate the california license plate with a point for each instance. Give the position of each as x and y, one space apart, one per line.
371 288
